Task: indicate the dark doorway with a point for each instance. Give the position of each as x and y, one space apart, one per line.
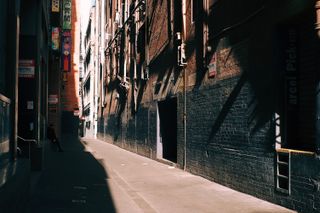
168 128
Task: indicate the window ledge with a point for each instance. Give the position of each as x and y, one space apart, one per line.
295 151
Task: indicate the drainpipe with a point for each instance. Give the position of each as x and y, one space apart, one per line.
317 125
146 39
184 31
184 120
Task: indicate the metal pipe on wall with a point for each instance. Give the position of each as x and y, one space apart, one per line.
184 31
317 107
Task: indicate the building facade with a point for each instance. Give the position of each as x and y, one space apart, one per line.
223 89
69 90
23 91
89 80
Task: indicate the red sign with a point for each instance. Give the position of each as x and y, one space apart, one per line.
66 52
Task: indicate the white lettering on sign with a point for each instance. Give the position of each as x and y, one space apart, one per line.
67 14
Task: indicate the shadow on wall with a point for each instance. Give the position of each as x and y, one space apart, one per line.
242 41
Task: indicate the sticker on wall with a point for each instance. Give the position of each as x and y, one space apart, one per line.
26 68
31 126
64 77
53 99
76 113
30 105
212 67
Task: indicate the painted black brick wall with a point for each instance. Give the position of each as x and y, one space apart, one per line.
136 133
225 145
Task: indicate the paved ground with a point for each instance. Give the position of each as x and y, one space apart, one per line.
94 176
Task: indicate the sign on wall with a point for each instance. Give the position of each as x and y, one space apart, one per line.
66 51
53 99
67 14
290 67
66 46
55 38
55 5
212 67
26 68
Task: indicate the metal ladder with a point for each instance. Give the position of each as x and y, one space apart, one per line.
283 174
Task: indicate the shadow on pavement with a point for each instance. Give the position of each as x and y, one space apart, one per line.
71 181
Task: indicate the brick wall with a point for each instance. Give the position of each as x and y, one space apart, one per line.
70 90
230 130
137 134
222 146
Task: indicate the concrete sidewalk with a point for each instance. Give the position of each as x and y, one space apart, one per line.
156 187
94 176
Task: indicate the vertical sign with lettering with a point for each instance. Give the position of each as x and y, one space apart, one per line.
66 14
66 51
55 38
290 57
55 6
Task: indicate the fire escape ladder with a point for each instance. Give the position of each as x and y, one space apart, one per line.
283 174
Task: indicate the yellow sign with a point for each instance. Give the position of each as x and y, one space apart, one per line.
55 5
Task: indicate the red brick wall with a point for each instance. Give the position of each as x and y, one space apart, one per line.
70 91
158 19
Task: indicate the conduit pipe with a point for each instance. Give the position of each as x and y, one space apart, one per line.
317 110
184 32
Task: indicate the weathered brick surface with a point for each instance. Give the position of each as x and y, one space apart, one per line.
234 156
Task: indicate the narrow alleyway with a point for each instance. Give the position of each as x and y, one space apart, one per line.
94 176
